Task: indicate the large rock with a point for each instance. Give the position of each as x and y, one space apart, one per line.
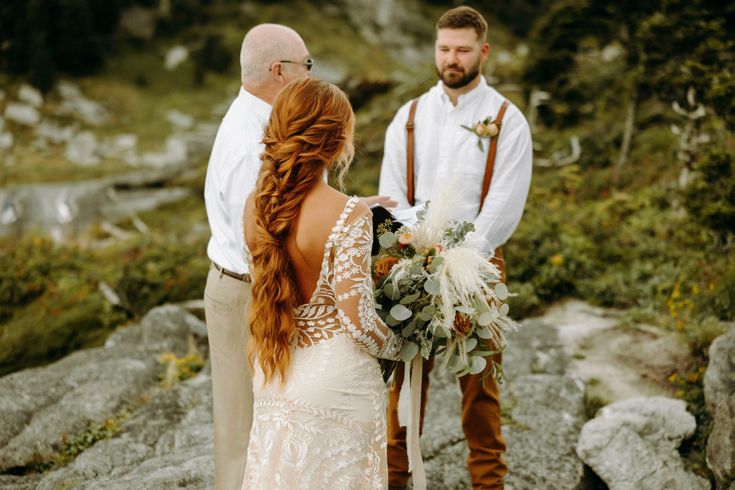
175 153
23 114
632 444
6 141
82 149
546 413
398 26
179 119
166 444
75 104
719 394
30 95
175 56
68 208
121 147
616 362
41 405
543 413
55 132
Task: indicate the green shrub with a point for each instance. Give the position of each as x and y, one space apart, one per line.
28 268
59 322
710 195
160 273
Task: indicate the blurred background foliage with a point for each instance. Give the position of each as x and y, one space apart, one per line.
641 220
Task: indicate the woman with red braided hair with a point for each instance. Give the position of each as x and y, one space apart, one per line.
319 417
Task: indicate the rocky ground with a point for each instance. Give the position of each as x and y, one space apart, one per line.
161 437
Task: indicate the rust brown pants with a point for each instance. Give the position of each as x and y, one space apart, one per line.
480 423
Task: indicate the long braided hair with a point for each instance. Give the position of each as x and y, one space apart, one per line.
310 129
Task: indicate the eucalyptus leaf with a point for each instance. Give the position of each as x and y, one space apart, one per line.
425 316
441 332
478 365
427 312
486 353
501 291
410 298
392 322
431 286
400 313
409 351
392 290
467 310
387 239
480 306
436 264
470 344
456 366
485 319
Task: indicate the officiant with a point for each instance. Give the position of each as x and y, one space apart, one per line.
461 131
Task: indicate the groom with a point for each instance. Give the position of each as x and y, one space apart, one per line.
442 137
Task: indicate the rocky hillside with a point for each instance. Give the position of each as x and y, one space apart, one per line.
630 209
137 412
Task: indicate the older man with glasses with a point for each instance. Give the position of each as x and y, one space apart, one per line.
271 57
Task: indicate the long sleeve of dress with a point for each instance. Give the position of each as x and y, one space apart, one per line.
353 288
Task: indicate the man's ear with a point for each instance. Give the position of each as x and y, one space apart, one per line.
485 51
276 71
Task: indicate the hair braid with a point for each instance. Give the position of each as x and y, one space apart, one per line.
310 128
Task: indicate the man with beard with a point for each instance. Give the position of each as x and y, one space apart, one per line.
464 133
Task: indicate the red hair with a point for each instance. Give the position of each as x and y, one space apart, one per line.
310 129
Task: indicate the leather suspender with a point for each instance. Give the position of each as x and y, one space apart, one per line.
409 152
489 164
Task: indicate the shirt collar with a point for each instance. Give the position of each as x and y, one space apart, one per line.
260 108
465 99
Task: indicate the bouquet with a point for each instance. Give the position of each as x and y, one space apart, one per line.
442 297
439 294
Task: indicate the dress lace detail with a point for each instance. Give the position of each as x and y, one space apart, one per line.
324 426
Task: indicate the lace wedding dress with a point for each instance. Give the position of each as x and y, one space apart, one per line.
325 426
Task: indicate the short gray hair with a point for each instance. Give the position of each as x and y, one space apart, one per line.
259 51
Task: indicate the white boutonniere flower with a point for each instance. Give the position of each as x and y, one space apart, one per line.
487 128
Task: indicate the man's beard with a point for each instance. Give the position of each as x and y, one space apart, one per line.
465 77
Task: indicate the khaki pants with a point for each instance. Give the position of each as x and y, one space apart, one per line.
480 422
226 303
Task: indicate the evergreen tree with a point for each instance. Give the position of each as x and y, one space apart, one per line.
78 49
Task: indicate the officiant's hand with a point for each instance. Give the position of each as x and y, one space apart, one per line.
384 201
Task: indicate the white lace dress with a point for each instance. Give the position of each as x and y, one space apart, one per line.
325 427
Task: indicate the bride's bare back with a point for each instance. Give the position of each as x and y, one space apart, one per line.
305 245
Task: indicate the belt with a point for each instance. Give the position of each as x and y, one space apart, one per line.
240 277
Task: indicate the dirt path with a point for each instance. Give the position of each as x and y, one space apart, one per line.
616 361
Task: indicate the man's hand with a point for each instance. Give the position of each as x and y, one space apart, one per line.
384 201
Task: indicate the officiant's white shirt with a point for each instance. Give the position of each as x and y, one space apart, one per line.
231 176
446 155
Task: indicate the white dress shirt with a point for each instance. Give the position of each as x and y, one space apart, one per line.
445 154
231 176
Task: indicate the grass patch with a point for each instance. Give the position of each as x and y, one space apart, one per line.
592 404
71 446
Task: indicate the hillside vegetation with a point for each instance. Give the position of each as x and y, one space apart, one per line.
633 196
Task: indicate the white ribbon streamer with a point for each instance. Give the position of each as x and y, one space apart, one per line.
409 416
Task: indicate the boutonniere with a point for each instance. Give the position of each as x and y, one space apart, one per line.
487 128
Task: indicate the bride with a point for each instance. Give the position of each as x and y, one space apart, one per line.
319 412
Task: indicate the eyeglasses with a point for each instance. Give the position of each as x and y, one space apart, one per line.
308 63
